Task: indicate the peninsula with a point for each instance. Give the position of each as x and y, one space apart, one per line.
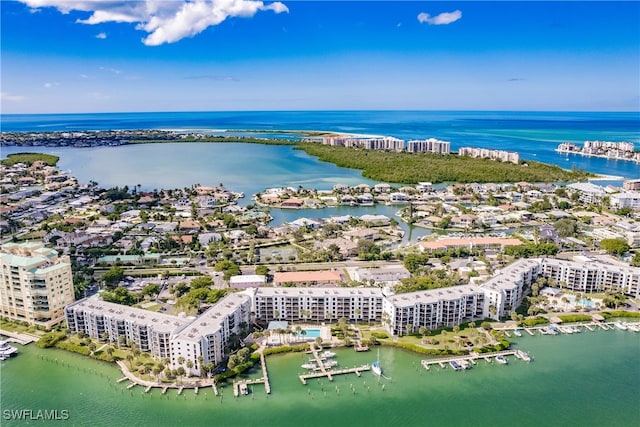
389 165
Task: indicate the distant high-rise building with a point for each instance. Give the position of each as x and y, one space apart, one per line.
35 284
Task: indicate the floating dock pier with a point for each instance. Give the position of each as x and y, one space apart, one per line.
329 374
473 357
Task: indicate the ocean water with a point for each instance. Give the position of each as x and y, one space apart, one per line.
587 379
534 134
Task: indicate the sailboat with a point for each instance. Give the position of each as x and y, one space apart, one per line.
375 366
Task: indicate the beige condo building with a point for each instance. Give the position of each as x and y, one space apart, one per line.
35 284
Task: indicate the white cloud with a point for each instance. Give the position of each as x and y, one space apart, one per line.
49 85
101 36
4 96
164 21
444 18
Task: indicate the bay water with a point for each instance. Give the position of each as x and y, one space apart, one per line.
587 379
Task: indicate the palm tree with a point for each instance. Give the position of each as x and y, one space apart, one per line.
130 360
189 366
408 328
109 351
201 365
156 371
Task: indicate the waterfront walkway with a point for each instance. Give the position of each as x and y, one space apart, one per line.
148 385
19 337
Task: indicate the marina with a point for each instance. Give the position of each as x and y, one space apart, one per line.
411 386
460 363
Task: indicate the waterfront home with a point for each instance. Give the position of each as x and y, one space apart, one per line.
292 203
398 197
382 188
347 200
340 188
306 223
365 199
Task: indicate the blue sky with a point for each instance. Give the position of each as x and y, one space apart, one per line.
66 56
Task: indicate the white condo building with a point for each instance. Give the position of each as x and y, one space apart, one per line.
318 304
430 145
163 335
434 308
35 284
628 199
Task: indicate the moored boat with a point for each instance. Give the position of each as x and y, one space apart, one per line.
620 325
375 366
6 350
501 359
517 332
455 365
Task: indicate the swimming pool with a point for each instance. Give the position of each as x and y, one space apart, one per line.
312 333
583 302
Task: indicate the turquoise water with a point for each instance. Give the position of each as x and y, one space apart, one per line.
534 134
583 302
587 379
312 333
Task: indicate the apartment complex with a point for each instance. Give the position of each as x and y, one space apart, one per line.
593 276
430 145
318 304
149 330
35 284
452 306
627 199
209 334
163 335
487 153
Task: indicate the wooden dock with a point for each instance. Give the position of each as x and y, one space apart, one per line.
180 390
149 387
360 347
132 385
122 379
215 388
329 374
240 387
473 357
164 389
265 375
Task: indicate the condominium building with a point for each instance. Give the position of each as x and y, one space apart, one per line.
430 145
628 199
588 192
318 304
163 335
507 288
35 284
149 330
206 338
432 309
487 153
593 276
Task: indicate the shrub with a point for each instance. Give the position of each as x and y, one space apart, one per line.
380 335
50 339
